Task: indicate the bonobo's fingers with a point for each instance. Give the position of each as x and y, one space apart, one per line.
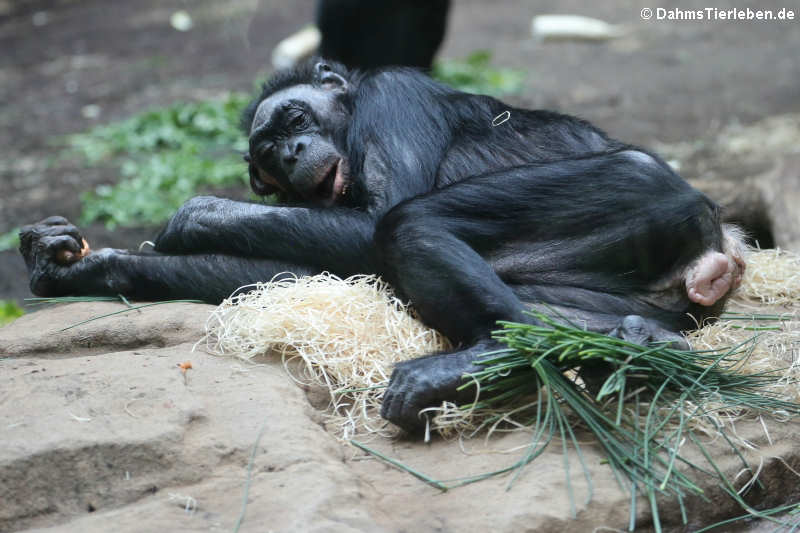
63 249
55 225
54 237
51 248
639 330
425 382
44 256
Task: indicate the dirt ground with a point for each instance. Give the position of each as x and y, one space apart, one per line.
664 82
678 86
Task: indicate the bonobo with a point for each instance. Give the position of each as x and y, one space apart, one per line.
474 210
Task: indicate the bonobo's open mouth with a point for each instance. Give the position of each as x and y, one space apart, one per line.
333 184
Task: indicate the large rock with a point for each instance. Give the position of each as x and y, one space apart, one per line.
753 171
100 429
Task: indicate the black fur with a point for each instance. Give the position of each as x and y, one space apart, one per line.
470 221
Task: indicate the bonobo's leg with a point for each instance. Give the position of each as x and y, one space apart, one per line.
595 235
152 276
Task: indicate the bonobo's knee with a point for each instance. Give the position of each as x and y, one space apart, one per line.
403 233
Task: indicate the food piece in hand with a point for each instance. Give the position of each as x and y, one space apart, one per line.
67 257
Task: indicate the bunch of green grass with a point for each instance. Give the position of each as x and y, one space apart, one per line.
475 74
642 412
165 157
83 299
9 311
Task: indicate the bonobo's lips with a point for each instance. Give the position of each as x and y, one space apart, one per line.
333 183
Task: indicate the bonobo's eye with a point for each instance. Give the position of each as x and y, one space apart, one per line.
261 154
265 149
297 119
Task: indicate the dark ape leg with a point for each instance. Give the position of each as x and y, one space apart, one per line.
596 234
589 234
208 277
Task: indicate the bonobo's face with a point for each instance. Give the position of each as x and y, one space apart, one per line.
291 147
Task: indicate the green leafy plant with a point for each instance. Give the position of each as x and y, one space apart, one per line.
9 240
9 311
165 156
476 75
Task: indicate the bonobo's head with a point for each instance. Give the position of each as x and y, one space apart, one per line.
292 127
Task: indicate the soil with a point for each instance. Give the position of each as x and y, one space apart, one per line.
663 82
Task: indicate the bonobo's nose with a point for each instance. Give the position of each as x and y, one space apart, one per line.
294 148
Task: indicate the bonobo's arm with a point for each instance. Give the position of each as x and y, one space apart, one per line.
336 239
210 277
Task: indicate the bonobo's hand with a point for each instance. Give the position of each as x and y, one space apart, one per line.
185 231
424 382
51 248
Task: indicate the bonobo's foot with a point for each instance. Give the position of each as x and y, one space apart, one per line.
713 276
639 330
635 329
49 248
427 381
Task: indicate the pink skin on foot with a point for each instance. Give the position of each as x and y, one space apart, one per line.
712 276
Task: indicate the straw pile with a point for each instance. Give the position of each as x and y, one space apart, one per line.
346 334
767 306
349 333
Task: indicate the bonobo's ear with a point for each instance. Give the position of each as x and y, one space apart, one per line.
327 78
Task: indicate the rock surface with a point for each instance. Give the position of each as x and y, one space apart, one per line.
101 429
753 171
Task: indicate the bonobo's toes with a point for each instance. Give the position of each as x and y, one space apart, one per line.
407 394
638 330
711 277
633 329
426 382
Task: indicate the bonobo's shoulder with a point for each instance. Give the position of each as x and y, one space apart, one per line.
402 79
384 74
